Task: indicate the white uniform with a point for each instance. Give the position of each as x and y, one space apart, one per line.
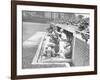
62 44
47 42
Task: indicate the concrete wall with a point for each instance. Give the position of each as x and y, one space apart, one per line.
81 53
